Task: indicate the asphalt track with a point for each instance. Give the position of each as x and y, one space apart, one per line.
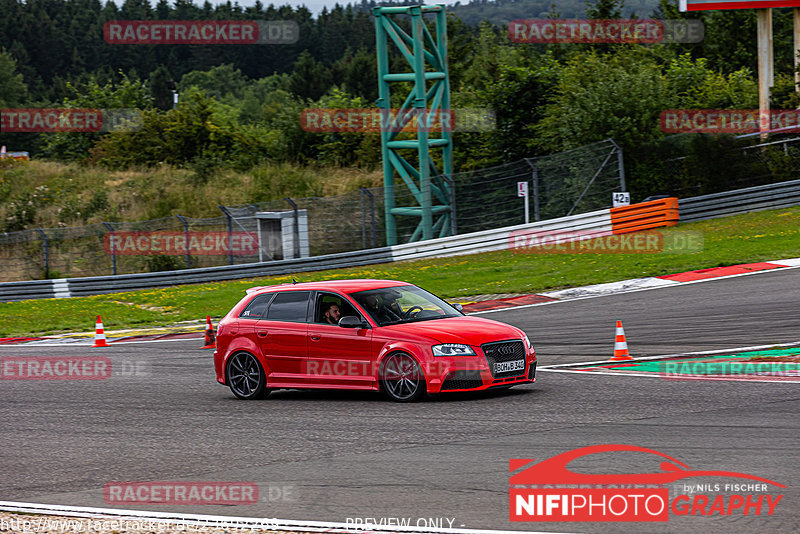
330 456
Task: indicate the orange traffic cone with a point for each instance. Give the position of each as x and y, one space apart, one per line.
210 338
99 334
620 345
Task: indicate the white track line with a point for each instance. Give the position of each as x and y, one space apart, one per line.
511 308
236 522
111 343
562 368
671 286
677 355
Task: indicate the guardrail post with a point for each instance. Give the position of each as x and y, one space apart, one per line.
535 180
113 252
621 164
296 227
230 232
367 193
45 253
186 235
363 221
451 192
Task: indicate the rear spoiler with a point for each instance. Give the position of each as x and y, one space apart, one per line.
254 289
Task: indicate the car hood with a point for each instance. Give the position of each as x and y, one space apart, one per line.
466 329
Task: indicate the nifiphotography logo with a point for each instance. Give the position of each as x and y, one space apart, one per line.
549 491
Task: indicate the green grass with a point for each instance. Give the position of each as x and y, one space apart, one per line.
49 194
766 235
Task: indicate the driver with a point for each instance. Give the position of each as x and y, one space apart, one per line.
381 313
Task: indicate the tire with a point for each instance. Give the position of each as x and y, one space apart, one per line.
401 378
245 376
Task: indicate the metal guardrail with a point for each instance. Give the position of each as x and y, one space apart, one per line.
740 201
498 239
691 209
484 241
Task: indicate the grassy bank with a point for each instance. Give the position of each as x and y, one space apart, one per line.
767 235
48 194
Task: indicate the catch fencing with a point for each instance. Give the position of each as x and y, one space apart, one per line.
657 213
568 183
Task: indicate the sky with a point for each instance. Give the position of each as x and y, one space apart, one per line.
314 5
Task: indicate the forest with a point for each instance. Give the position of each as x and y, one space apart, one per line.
239 105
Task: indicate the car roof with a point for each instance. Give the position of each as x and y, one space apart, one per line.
345 286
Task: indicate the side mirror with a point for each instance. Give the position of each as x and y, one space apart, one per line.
457 306
351 321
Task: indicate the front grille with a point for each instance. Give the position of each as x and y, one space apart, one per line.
504 351
462 380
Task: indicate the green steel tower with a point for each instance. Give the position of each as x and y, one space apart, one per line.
425 51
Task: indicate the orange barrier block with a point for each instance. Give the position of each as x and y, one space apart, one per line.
645 215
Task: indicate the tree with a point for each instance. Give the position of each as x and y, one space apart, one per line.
309 79
126 94
360 76
160 88
13 91
605 9
601 96
224 82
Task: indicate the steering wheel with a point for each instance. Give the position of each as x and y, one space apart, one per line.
411 310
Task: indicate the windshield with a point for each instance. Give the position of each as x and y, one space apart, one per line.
403 304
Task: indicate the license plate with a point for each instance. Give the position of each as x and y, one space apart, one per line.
505 367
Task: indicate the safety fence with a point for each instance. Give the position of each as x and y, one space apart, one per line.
567 183
636 217
600 222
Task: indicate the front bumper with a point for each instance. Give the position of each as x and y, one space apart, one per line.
473 374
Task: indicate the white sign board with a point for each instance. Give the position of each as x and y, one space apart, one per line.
522 189
620 199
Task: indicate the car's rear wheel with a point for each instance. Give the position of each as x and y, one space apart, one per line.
246 377
401 378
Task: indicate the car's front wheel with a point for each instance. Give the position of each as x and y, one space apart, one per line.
246 377
401 378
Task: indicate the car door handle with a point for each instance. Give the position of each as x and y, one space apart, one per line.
262 333
316 338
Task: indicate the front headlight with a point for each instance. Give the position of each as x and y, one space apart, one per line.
453 349
527 341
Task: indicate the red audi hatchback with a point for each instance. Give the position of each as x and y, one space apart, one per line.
364 334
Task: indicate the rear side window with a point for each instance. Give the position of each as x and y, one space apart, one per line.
289 306
257 307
